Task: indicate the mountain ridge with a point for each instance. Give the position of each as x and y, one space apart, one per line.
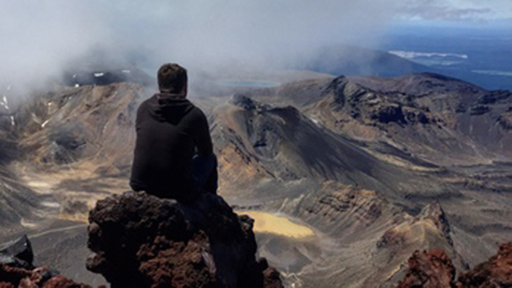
356 165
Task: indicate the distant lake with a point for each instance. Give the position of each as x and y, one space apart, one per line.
480 55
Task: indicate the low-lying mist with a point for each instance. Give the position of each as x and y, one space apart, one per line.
43 39
40 39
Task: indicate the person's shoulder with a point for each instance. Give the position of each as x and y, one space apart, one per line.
144 104
196 115
196 111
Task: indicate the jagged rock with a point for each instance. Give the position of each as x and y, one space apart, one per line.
387 114
417 117
336 88
12 277
496 272
17 270
18 253
243 101
142 241
436 214
248 103
461 108
435 269
479 110
494 96
432 216
505 121
429 270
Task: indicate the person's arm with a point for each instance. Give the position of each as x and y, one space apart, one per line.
203 139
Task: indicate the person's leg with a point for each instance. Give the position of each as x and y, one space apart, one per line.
205 173
211 183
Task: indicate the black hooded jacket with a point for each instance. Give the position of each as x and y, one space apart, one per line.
170 130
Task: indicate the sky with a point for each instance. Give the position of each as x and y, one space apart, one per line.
41 37
469 11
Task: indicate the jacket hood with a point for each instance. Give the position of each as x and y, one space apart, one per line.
169 107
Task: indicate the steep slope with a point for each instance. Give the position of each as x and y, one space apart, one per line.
64 149
435 269
91 122
352 60
482 117
412 122
17 201
442 123
67 149
364 241
282 145
354 161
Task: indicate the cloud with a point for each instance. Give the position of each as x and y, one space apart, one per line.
39 37
454 10
445 13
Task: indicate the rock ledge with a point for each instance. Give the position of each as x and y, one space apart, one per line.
142 241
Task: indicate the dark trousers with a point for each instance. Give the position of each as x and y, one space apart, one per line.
205 173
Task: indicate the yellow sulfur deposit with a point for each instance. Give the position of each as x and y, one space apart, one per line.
269 223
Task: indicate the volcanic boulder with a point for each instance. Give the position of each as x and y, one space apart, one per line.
495 272
435 269
142 241
429 270
18 253
11 277
17 270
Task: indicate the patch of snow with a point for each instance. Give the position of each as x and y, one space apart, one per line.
12 121
4 102
26 224
50 204
77 85
39 185
126 71
99 74
317 122
44 123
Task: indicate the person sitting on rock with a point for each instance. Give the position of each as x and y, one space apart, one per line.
173 155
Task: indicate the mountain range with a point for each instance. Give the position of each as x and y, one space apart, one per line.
374 167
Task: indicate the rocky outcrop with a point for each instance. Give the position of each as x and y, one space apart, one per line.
496 272
18 253
12 277
479 110
143 241
494 96
435 269
387 114
505 121
430 270
411 232
17 270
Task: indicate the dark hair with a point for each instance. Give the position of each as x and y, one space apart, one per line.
172 78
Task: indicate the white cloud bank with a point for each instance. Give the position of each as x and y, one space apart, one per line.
39 37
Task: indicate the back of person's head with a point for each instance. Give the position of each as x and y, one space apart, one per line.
172 78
